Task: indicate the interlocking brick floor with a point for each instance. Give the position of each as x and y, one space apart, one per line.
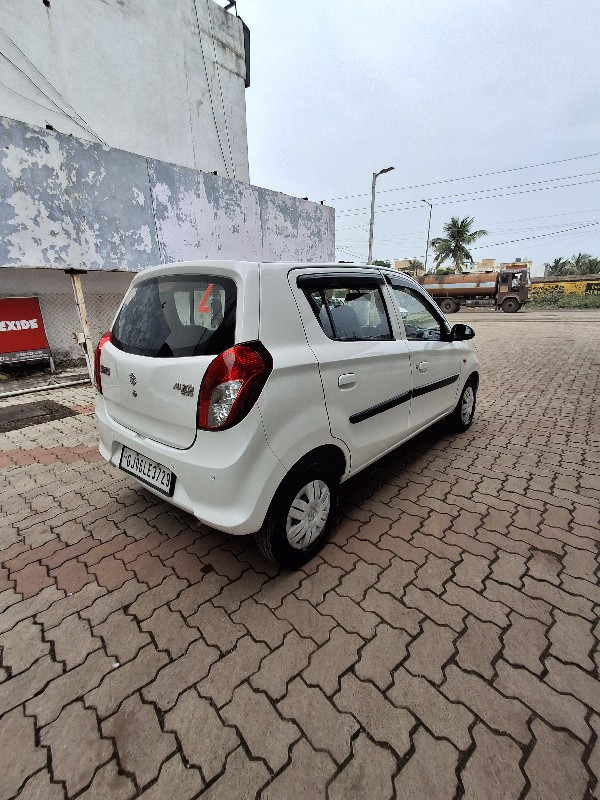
444 644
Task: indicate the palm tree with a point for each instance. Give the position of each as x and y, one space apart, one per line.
453 247
593 266
560 266
580 263
415 266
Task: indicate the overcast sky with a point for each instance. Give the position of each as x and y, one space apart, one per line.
438 89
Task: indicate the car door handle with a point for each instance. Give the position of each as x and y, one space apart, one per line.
423 366
347 380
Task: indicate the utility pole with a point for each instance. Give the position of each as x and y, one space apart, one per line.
375 176
428 232
85 338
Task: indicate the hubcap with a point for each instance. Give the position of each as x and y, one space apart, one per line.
308 514
467 405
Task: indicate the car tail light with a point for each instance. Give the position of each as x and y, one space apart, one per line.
232 384
97 375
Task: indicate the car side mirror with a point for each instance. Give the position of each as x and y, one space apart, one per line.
460 333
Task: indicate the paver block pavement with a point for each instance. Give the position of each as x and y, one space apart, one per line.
76 746
445 642
368 774
493 769
324 726
206 741
25 759
430 773
267 735
141 744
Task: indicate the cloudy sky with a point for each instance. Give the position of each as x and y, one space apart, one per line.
441 90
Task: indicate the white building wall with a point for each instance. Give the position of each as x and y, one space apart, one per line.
161 79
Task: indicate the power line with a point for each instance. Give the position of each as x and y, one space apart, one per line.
580 240
85 125
537 236
467 177
417 235
365 225
349 252
546 216
489 197
35 103
567 232
349 212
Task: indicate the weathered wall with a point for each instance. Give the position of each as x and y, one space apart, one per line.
162 79
65 202
572 284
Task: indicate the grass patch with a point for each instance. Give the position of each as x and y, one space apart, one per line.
559 300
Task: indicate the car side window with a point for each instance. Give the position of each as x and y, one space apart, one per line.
419 322
348 313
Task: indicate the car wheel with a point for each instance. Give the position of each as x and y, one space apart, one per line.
510 306
449 306
300 516
462 416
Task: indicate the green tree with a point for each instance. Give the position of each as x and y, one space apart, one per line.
560 266
382 263
415 265
580 263
453 246
593 266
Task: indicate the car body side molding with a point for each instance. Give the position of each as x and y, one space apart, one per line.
380 408
401 398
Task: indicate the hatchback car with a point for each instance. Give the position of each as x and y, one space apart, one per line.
246 392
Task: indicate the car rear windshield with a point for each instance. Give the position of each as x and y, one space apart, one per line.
177 315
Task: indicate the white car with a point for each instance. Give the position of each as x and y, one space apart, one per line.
246 392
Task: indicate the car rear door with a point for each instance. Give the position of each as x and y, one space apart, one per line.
168 330
435 360
363 362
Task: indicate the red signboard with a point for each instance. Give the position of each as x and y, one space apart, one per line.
22 334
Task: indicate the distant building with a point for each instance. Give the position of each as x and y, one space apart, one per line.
485 265
404 265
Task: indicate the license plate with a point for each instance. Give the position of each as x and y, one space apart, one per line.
147 471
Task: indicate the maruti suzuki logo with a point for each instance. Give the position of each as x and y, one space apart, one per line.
132 379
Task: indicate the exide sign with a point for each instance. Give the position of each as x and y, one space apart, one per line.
17 324
22 334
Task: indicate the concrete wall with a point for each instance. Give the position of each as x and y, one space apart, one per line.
65 202
162 79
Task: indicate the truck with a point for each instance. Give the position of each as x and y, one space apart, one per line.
507 289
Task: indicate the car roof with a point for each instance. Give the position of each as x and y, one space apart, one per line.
248 266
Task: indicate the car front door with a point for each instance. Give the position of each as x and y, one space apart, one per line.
435 360
364 363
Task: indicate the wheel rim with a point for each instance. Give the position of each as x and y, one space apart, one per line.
308 514
467 405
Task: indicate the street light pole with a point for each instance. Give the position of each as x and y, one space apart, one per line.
375 176
428 232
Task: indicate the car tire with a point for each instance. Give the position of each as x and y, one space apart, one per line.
510 305
300 516
461 418
449 306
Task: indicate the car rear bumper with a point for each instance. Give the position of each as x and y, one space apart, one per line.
226 478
